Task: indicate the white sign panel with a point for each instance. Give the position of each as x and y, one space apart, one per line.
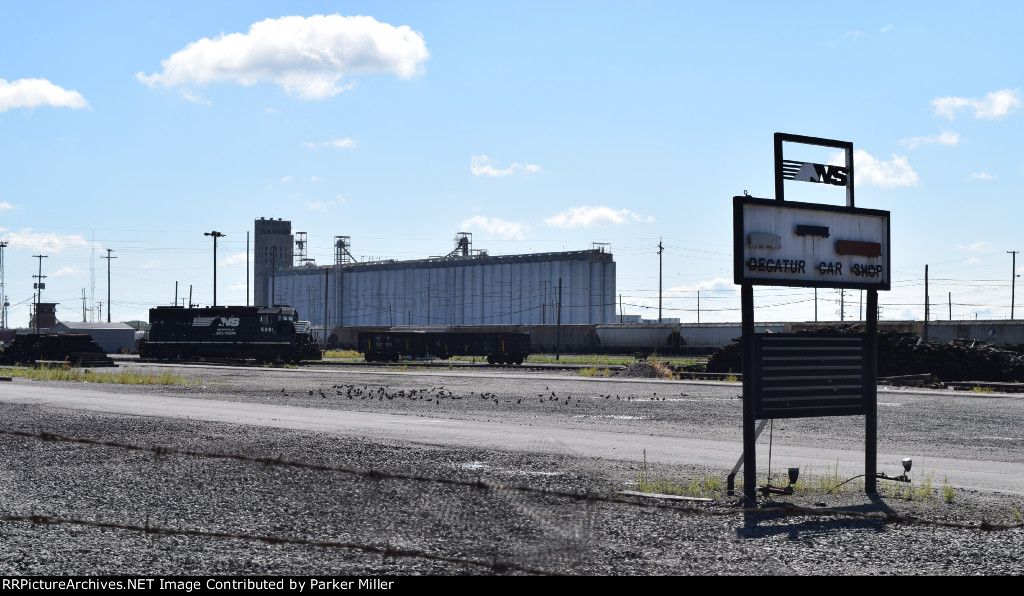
810 245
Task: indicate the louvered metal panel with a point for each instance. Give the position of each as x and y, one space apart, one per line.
805 375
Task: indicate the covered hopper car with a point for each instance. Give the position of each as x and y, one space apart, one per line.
497 347
264 334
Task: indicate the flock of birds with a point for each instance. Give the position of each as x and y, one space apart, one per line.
436 394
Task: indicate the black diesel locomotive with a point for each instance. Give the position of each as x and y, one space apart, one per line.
264 334
498 347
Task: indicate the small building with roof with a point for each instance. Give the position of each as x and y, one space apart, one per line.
113 338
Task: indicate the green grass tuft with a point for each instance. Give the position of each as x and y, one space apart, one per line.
80 375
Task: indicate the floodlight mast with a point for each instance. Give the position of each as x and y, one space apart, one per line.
215 234
108 257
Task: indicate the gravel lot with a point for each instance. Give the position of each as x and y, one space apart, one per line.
432 527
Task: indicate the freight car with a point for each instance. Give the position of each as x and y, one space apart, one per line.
264 334
497 347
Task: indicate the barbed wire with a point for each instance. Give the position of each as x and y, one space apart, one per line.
789 510
386 551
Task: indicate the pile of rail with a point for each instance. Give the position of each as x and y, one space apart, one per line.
906 354
74 349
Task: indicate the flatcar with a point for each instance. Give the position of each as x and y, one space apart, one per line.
264 334
497 347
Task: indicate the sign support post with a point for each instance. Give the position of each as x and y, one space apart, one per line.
817 246
749 434
871 396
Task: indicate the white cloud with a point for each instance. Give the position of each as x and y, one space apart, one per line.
68 272
506 230
235 259
189 96
951 139
870 171
981 176
854 35
155 263
481 165
887 28
270 111
5 206
307 56
994 105
977 246
972 261
588 217
717 284
49 243
30 93
286 180
316 206
335 143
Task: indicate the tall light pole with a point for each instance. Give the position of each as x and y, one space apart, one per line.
108 257
215 235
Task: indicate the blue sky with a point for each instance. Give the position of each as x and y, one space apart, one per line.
536 126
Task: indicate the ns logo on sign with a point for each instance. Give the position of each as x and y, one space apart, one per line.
815 172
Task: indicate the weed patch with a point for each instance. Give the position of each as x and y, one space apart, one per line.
344 354
79 375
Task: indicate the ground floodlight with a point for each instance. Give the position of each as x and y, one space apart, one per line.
907 462
794 473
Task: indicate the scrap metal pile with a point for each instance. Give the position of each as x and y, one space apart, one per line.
903 354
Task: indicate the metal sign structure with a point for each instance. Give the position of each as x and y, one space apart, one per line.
833 175
779 243
810 245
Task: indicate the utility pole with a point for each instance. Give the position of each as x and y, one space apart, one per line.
108 257
558 333
215 235
661 249
1013 280
926 303
698 307
544 303
3 296
83 305
247 267
327 271
40 286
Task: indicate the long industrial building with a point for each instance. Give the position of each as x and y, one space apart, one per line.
464 287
